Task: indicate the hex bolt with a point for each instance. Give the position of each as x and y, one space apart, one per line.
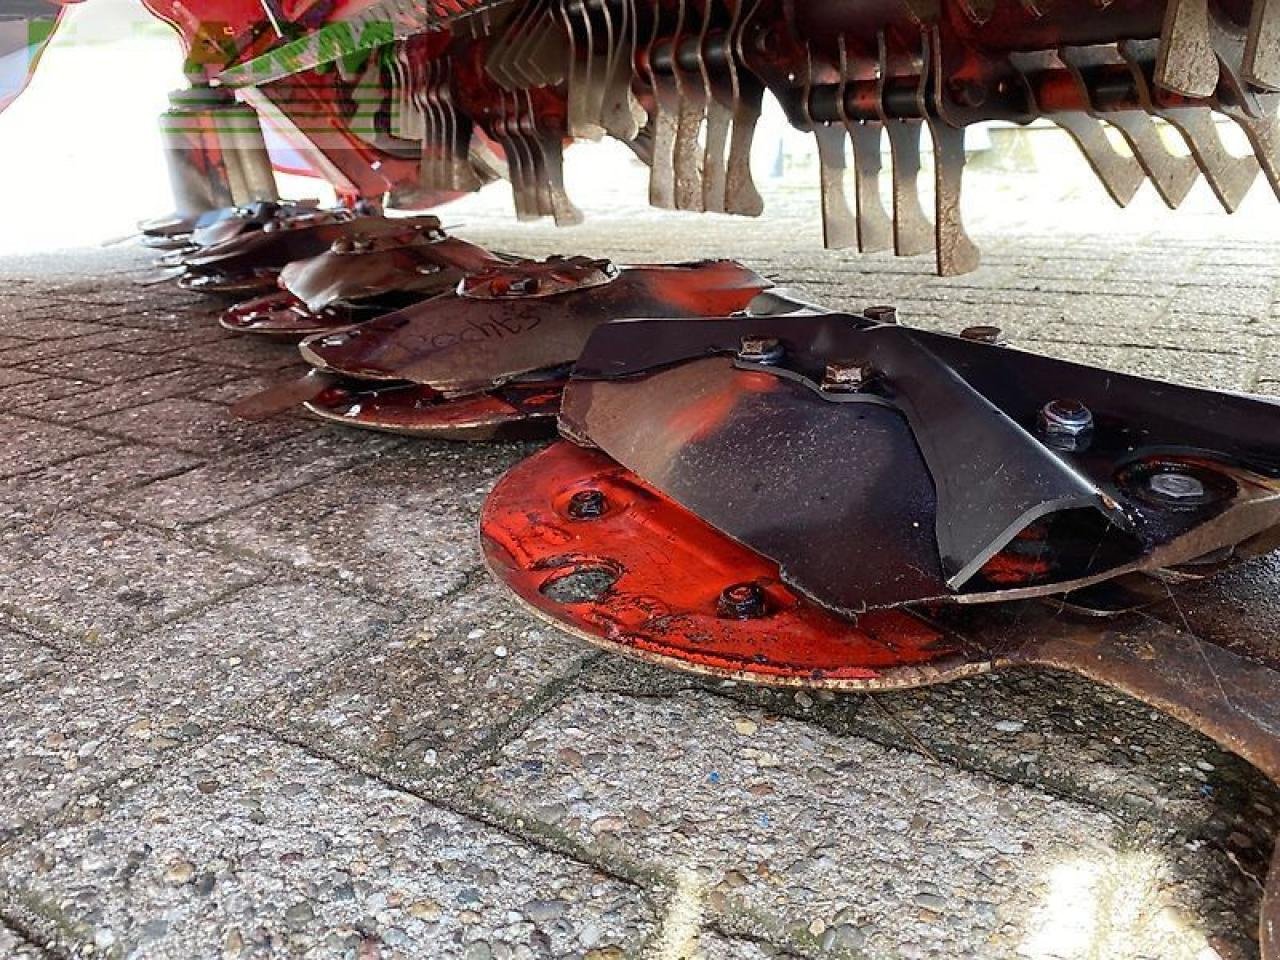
342 245
982 333
847 376
1065 424
756 349
881 314
1176 486
588 505
742 601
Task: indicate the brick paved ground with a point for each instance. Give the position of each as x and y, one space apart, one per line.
257 696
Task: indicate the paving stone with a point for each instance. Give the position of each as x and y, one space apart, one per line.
44 350
105 366
257 642
175 318
29 445
38 325
233 482
423 700
254 848
1223 371
383 526
94 476
193 426
14 947
207 338
791 832
40 389
9 377
76 731
713 946
98 582
100 400
246 352
23 659
233 391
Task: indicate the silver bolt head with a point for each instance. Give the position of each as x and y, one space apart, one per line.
1065 418
1176 486
342 245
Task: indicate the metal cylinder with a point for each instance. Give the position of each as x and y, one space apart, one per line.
245 148
197 168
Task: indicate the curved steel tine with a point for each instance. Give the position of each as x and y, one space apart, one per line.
740 193
912 232
1120 174
1229 177
687 160
1187 63
1172 176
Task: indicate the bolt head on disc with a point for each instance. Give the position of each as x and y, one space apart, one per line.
592 548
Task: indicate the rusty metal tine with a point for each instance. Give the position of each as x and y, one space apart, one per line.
1262 46
956 253
740 193
1187 63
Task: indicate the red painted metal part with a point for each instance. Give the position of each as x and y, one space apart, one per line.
669 569
513 411
23 38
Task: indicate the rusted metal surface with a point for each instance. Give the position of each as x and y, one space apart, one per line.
250 260
358 278
493 354
517 410
460 343
985 487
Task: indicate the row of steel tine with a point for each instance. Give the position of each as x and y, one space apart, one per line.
699 120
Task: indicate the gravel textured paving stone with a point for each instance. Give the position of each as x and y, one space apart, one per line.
29 445
23 659
96 582
418 703
403 526
105 366
108 399
93 476
257 642
76 731
245 353
787 832
250 848
193 426
41 389
232 483
13 947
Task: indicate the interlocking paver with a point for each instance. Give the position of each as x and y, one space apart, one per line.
97 582
802 831
193 426
239 480
250 848
106 474
404 525
100 400
30 445
23 659
411 705
105 366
